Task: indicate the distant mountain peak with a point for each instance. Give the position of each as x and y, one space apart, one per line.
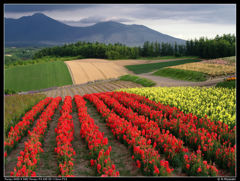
39 14
43 30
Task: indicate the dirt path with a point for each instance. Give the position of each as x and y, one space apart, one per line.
168 82
81 159
48 160
120 154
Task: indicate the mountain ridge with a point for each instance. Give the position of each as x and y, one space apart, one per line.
43 30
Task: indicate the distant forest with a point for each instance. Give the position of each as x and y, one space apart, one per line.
220 46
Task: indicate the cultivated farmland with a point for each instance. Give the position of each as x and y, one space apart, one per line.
87 70
37 76
144 68
121 134
95 87
89 130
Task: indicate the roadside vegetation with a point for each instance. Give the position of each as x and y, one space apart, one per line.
139 80
178 74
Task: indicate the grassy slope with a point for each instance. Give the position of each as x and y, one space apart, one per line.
227 84
179 74
144 68
16 106
37 76
143 81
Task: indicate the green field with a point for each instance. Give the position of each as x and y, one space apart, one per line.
37 76
179 74
144 68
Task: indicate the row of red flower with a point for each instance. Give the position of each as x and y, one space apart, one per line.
29 157
196 138
97 143
145 155
15 134
65 132
218 127
166 143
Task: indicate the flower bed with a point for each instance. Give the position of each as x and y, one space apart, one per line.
20 129
97 143
197 138
145 155
65 131
29 157
167 144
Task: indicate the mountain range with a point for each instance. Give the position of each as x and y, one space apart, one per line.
41 30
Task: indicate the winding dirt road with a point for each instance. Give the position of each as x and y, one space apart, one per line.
168 82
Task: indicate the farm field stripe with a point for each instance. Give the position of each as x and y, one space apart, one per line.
172 147
91 89
97 143
80 91
73 90
64 131
101 72
211 126
198 139
107 87
15 134
111 86
126 133
29 157
99 88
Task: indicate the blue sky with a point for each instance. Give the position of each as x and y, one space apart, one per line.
186 21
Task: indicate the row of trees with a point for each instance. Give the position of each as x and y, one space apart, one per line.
220 46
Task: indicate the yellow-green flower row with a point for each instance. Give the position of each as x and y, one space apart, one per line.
219 104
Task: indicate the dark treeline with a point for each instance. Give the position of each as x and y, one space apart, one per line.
220 46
